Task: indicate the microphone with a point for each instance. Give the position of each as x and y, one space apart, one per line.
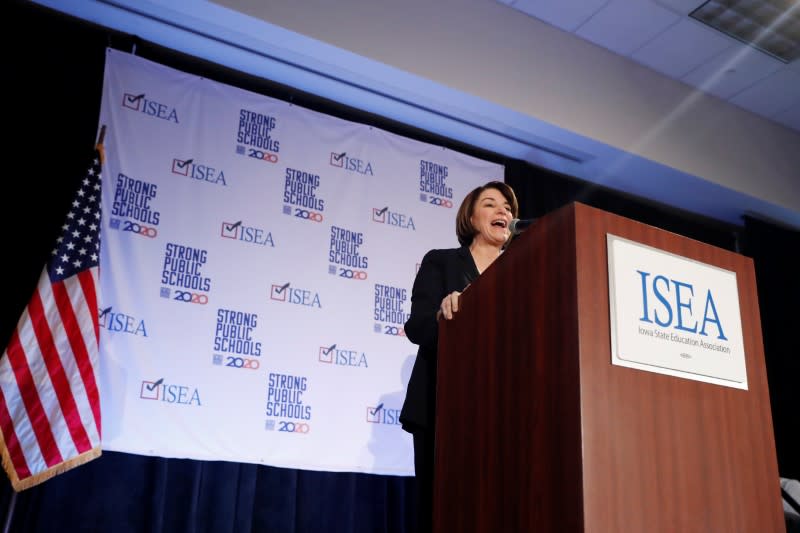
517 225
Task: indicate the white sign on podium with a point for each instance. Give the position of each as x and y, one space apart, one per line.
674 315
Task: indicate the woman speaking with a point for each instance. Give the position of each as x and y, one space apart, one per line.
482 228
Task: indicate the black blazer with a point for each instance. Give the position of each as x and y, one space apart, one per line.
440 273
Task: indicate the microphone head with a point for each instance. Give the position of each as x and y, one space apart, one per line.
517 225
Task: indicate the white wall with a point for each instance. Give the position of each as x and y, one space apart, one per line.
490 51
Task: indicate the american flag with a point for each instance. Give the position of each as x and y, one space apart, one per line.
49 399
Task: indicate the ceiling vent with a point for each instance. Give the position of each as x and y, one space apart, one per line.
771 26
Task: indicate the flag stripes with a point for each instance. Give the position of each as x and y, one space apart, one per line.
49 397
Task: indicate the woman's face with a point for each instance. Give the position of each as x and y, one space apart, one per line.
491 216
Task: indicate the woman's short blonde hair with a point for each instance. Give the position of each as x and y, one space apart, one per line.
465 231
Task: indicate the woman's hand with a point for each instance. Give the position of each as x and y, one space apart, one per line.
448 306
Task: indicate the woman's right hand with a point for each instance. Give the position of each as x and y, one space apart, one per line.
448 306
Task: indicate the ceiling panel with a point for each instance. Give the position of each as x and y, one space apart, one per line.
565 14
681 7
794 65
770 96
624 26
733 71
790 117
681 48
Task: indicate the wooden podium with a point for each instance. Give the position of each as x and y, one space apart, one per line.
537 430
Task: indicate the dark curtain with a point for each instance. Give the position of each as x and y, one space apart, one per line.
124 493
53 82
776 255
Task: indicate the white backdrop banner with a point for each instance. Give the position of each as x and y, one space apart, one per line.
256 272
